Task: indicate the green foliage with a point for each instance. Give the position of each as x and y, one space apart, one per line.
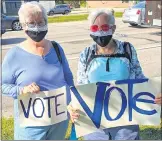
146 132
118 14
59 2
83 3
7 128
150 132
73 3
69 18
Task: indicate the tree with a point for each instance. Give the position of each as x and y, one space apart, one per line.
73 3
59 1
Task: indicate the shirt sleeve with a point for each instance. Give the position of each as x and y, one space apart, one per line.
67 72
135 68
9 88
82 77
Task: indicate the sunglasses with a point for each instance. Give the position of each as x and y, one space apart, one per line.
104 27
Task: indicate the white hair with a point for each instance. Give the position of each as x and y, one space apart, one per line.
93 15
31 8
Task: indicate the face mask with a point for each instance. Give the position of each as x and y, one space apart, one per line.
102 40
36 36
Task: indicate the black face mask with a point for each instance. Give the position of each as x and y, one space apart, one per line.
35 35
103 40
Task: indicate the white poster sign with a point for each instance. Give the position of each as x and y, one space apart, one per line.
43 109
118 103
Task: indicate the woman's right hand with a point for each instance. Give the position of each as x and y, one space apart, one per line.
32 88
73 113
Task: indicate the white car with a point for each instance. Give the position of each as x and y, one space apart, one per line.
135 15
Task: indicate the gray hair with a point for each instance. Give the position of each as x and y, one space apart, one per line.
93 15
31 8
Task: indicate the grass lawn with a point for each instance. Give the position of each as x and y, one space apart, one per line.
146 132
69 18
7 131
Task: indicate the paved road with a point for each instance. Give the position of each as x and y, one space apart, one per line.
74 37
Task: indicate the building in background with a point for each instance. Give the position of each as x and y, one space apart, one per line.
11 7
107 4
153 13
47 4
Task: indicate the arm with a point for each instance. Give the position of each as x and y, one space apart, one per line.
135 69
82 77
67 72
9 88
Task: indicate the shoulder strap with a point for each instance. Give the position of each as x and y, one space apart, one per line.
55 46
128 50
87 55
127 54
89 59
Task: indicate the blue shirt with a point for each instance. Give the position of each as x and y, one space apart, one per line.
20 68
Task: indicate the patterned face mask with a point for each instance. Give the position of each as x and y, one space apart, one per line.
36 32
102 41
36 36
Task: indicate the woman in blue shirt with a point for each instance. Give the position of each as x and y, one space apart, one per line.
105 60
33 66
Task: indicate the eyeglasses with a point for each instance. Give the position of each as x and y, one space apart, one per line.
34 24
104 27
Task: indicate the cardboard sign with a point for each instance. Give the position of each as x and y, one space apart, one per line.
43 109
111 104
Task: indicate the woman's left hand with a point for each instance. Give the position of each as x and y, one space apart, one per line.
158 99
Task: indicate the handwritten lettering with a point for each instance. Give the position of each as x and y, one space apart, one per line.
32 102
102 99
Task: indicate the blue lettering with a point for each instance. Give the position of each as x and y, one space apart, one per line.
34 108
145 112
102 98
56 104
26 113
132 100
49 105
96 115
106 103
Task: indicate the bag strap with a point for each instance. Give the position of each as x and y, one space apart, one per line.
89 59
56 47
87 55
127 53
128 50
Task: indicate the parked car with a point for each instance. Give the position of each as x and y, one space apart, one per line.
60 9
10 22
135 15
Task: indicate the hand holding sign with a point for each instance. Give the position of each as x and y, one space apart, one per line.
158 99
73 113
32 88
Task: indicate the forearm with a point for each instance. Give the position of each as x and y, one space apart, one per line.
11 90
